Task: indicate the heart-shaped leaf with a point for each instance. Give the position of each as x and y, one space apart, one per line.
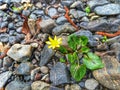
73 41
78 71
72 57
63 50
92 61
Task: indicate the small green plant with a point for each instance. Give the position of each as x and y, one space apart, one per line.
78 45
87 9
104 39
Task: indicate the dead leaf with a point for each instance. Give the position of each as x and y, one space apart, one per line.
25 27
38 24
28 37
2 30
31 24
3 49
2 88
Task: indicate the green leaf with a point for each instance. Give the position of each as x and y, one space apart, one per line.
15 9
92 61
84 49
78 71
87 9
84 40
63 50
73 41
62 60
72 57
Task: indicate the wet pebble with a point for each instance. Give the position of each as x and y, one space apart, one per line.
61 20
52 12
91 84
44 69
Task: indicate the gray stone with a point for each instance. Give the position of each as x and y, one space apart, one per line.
101 25
82 84
95 3
11 25
40 85
59 74
7 62
46 55
52 12
44 69
33 16
3 7
33 72
24 69
19 29
38 12
91 84
47 25
77 13
19 24
102 47
74 13
109 9
109 76
4 77
61 20
113 40
81 14
6 1
115 47
4 37
85 19
4 24
86 33
17 85
67 2
66 28
39 5
78 5
11 32
61 10
13 39
20 52
75 87
26 12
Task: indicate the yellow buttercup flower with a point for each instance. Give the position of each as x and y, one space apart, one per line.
53 43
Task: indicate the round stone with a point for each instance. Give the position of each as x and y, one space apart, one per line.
44 69
52 12
91 84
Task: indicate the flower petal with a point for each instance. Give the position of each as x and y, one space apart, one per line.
60 40
48 42
50 39
55 38
49 46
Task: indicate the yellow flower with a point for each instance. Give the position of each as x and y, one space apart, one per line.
53 43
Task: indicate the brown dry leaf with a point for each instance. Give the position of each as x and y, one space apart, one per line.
3 47
38 24
2 88
2 30
31 24
28 37
25 27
